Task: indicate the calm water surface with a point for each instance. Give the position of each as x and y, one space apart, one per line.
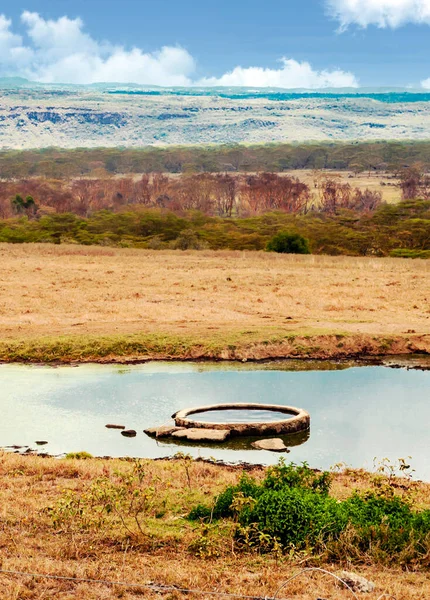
240 416
357 413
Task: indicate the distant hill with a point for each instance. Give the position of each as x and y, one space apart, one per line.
36 115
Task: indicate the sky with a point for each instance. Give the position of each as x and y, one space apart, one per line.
290 43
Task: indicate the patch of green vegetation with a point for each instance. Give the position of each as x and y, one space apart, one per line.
82 455
407 253
81 348
388 229
87 348
288 243
291 509
357 157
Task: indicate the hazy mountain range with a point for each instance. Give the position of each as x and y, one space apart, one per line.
34 115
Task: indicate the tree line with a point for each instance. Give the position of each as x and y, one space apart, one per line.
401 229
214 194
356 157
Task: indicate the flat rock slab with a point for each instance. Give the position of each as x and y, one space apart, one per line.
113 426
163 431
273 444
202 435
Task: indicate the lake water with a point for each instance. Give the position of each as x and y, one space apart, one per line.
240 416
357 414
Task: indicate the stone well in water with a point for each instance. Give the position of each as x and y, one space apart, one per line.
296 419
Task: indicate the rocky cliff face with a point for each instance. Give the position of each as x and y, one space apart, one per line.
37 118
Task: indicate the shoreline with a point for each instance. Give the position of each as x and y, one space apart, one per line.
138 349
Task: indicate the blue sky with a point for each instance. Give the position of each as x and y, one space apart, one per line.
383 42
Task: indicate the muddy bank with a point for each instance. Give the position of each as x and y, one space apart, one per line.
374 349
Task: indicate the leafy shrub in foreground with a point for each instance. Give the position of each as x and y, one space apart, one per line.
292 509
288 243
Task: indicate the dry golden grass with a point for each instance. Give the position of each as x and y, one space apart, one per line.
251 304
30 543
376 182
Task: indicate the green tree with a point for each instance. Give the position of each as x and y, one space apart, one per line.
20 205
288 243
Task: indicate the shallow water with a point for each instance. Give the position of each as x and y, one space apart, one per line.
357 413
240 416
390 97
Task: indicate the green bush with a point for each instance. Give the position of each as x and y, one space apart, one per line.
82 455
407 253
288 243
292 509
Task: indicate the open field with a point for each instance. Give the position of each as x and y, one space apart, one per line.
90 303
170 550
376 182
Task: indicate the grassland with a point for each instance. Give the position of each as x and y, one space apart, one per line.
75 303
379 181
170 550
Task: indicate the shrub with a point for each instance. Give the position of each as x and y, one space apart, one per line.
288 243
82 455
188 240
408 253
292 509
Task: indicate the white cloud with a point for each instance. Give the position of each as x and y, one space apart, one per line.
382 13
426 84
292 74
60 51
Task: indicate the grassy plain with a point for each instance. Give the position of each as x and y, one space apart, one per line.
380 181
72 303
170 550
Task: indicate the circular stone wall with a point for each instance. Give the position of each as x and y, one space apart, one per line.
298 420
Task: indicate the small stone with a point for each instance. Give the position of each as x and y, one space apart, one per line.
195 434
163 431
273 444
113 426
129 433
41 443
356 582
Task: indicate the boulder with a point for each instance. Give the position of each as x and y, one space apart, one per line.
129 433
163 431
113 426
40 442
202 435
356 582
273 444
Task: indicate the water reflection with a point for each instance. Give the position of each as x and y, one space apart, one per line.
238 443
356 413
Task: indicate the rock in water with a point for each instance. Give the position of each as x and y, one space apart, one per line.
113 426
356 582
129 433
273 444
163 431
195 434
